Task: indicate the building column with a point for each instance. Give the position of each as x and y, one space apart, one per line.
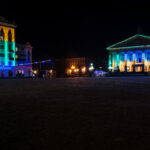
113 61
118 60
146 62
110 62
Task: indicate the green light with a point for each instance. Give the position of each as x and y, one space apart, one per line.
6 53
13 48
109 61
141 46
118 60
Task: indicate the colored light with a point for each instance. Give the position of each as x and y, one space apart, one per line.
76 70
109 61
83 69
141 46
35 71
51 71
91 68
73 67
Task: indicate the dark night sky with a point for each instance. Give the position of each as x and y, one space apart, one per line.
71 30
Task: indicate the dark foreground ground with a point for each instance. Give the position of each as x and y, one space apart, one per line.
75 114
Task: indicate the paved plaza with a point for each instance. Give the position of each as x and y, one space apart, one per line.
75 114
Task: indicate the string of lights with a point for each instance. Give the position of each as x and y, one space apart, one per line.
36 62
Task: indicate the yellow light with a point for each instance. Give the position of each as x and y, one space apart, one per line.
76 70
83 69
51 71
35 71
16 49
73 67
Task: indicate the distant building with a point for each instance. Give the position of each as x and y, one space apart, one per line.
73 67
130 55
11 56
43 69
23 60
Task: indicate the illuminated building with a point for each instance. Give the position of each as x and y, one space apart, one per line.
73 67
43 69
9 56
23 60
130 55
7 48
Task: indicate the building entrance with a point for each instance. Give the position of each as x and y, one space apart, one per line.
138 68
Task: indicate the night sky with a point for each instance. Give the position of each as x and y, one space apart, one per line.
71 30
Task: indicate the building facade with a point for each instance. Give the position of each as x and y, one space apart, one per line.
23 66
130 55
73 67
10 59
7 48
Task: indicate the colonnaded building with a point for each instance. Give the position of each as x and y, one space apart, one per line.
130 55
15 59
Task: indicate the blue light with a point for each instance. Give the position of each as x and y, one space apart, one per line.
6 67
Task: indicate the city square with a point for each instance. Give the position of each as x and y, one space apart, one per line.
75 113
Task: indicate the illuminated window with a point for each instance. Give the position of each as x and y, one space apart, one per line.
16 49
2 63
139 58
148 56
131 57
122 57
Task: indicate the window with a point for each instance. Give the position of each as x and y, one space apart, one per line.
1 35
9 36
2 63
10 63
122 57
139 58
10 47
131 57
28 56
148 56
16 56
16 49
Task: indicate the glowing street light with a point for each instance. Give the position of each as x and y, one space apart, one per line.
91 68
35 71
73 67
83 69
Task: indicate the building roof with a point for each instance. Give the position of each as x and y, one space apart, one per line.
5 22
136 41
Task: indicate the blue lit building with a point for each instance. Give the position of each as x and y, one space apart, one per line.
130 55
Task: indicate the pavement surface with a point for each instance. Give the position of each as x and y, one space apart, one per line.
75 114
